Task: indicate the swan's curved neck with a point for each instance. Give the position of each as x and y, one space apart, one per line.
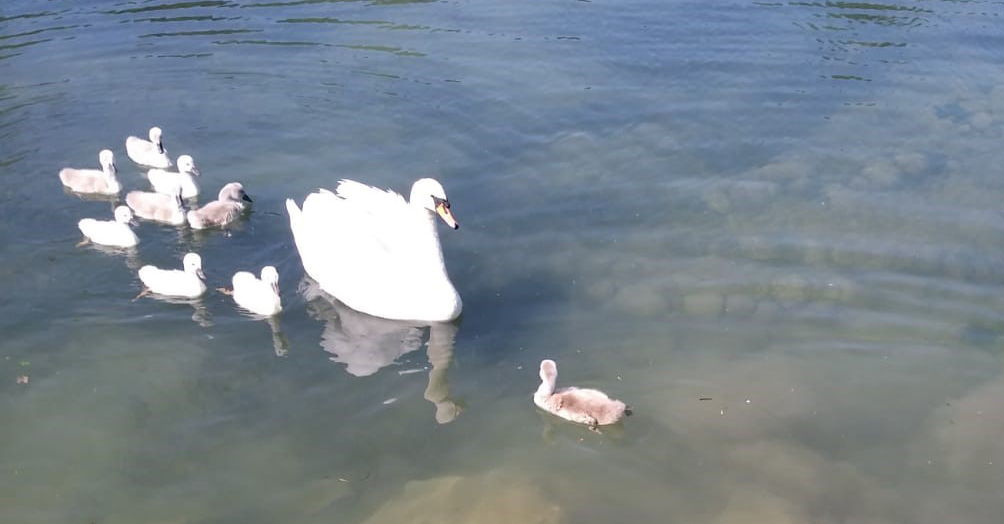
429 254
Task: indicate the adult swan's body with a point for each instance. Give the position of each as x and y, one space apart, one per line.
376 252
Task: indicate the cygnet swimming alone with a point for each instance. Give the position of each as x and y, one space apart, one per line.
111 232
101 181
585 406
259 296
148 152
222 211
169 181
169 209
189 282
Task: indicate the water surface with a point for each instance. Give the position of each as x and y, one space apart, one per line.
788 209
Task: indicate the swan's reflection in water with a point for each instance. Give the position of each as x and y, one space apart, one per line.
365 344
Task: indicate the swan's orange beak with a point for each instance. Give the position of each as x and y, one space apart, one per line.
443 210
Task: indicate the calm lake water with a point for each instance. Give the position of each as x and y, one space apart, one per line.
773 228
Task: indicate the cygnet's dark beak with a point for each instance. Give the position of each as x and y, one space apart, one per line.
160 147
246 197
201 274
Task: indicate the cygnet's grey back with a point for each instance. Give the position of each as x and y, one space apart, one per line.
157 206
93 180
220 212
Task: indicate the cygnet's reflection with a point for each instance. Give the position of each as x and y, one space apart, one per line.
200 315
280 344
131 255
365 344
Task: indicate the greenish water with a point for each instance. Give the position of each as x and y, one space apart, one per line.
791 209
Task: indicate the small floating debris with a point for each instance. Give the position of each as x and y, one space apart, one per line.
22 379
410 371
390 401
704 398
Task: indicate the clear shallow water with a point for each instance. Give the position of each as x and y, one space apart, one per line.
792 209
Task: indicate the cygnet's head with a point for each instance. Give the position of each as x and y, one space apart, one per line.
548 371
233 192
269 275
193 264
186 164
107 160
429 193
123 215
155 138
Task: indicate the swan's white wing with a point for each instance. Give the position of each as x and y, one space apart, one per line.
347 247
369 197
382 216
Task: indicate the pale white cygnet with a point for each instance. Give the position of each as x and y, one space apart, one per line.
148 152
259 296
169 209
111 232
222 211
189 282
100 181
585 406
169 181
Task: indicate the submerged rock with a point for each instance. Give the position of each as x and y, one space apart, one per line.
740 305
640 299
703 303
791 288
492 498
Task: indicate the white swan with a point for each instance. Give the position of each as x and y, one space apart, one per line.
585 406
258 296
148 152
159 207
100 181
221 212
169 181
189 283
376 252
111 232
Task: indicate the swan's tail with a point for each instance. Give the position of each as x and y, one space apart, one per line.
294 215
295 222
296 226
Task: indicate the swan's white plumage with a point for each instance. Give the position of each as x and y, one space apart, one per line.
99 181
259 296
169 181
376 252
221 212
157 206
148 152
585 406
188 282
110 232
